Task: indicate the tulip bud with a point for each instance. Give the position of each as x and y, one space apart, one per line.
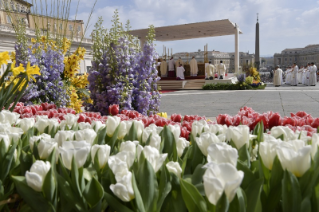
174 168
87 135
217 128
103 154
219 178
114 110
222 153
198 127
314 144
46 147
297 161
37 138
6 140
268 152
35 178
84 125
26 123
79 150
123 188
239 135
42 123
176 130
8 117
97 125
112 123
154 157
286 132
63 136
205 140
181 144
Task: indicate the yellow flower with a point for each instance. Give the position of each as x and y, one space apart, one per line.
13 56
17 70
162 114
4 57
32 70
33 40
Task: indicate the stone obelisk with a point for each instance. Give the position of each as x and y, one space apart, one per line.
257 56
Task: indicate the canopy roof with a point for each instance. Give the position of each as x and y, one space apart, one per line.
190 31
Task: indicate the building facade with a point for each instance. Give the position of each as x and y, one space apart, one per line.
301 56
18 11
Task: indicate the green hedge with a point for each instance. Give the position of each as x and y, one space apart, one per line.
238 86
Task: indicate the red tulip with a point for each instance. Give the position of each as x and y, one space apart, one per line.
221 119
82 118
26 110
315 123
274 120
184 132
176 117
229 121
236 120
114 110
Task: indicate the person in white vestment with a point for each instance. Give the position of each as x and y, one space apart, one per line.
294 73
288 75
193 66
313 75
180 72
299 76
278 77
178 62
304 75
171 70
307 81
221 68
163 68
209 70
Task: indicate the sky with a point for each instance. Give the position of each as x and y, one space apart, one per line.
283 23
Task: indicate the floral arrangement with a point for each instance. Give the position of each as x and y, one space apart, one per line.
122 73
124 165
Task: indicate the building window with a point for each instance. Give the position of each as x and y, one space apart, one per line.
88 68
13 6
61 26
70 27
79 28
9 21
18 7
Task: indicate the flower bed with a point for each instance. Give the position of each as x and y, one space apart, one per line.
237 86
131 162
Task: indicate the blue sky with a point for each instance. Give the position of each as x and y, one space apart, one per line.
283 23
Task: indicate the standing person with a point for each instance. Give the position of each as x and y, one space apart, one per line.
288 75
278 77
299 76
294 74
307 81
313 75
210 69
221 68
193 66
171 71
179 62
304 75
163 68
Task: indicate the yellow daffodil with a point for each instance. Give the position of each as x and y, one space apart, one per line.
13 56
4 57
32 70
17 70
162 114
33 40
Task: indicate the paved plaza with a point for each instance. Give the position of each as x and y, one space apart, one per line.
285 100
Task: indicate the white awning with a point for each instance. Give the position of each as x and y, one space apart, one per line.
190 31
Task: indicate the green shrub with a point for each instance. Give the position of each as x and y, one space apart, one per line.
249 80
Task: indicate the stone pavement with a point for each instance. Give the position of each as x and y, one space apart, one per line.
284 99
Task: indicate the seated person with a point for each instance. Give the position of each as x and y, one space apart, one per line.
180 72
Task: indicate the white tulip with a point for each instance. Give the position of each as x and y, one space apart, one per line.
219 178
87 135
124 129
37 118
4 128
130 148
46 147
26 123
120 163
147 132
287 133
14 137
268 151
112 123
217 128
103 154
35 178
97 125
155 141
8 117
303 136
79 150
222 153
153 156
239 135
63 136
123 188
42 123
6 140
37 138
268 137
205 140
7 129
314 144
181 144
176 130
174 168
84 125
295 161
155 128
198 127
139 126
69 120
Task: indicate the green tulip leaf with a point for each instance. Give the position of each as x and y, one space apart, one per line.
164 187
197 177
33 198
138 197
222 204
306 205
291 195
193 199
132 134
100 138
49 187
6 161
26 161
196 157
111 141
243 155
169 144
93 193
249 176
253 192
116 204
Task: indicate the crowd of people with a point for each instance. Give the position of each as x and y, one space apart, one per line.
305 75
